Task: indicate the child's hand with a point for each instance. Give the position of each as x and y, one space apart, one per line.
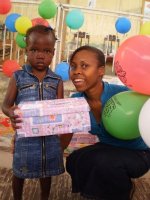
15 119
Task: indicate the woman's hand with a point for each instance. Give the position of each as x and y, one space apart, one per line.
65 140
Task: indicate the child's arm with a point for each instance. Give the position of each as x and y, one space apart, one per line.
8 106
64 138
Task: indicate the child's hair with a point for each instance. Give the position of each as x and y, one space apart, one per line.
40 29
100 55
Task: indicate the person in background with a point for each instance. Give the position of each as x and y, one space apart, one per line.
102 171
35 157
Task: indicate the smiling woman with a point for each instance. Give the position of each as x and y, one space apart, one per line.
86 69
103 170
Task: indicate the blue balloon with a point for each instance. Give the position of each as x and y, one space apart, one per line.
62 69
75 19
123 25
10 21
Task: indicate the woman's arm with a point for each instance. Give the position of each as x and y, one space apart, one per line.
60 91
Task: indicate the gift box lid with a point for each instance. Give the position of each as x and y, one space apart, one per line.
52 107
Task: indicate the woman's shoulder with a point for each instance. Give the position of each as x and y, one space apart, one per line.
115 87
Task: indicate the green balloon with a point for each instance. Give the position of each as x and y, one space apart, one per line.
47 9
20 40
120 114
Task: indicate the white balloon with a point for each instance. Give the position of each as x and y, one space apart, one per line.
144 122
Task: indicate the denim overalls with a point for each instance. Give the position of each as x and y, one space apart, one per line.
37 157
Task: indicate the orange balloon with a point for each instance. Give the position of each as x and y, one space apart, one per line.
9 67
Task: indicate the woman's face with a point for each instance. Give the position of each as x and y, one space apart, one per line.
85 71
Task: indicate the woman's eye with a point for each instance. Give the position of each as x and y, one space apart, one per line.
72 68
84 66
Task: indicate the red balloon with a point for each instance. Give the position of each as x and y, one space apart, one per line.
40 21
132 63
9 67
5 6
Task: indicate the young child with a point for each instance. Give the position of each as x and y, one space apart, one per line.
102 171
37 157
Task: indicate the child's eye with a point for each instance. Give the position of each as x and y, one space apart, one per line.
33 50
48 51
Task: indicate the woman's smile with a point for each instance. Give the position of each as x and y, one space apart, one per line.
78 82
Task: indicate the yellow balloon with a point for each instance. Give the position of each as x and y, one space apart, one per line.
22 24
145 29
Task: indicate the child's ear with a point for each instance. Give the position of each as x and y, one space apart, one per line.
26 57
54 51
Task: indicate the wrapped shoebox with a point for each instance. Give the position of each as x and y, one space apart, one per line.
52 117
80 140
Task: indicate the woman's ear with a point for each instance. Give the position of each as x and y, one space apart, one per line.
101 71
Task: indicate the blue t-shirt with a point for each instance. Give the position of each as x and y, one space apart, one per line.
100 131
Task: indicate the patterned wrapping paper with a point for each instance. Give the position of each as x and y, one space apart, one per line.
80 140
52 117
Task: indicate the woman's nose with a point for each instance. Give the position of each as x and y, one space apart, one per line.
78 70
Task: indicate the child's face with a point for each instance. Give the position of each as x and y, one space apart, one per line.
40 51
85 72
